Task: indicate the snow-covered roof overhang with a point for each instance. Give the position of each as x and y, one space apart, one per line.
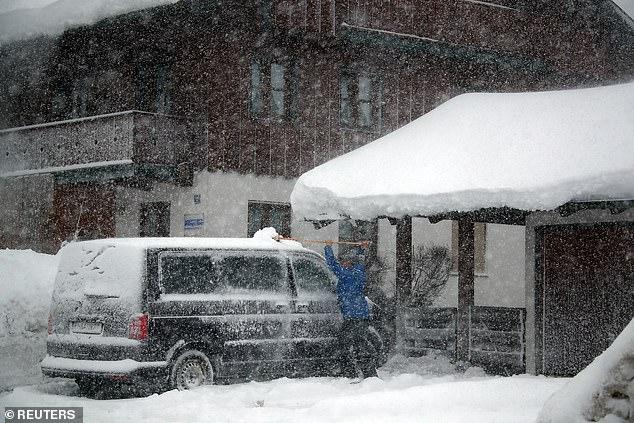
524 151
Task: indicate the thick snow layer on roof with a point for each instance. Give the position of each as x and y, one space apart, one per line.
26 18
531 151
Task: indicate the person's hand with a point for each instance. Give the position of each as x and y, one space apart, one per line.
364 244
329 242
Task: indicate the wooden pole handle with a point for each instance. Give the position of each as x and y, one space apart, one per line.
320 241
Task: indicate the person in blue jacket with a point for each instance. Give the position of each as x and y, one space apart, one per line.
354 309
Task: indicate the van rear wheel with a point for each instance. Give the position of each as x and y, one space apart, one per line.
87 387
190 370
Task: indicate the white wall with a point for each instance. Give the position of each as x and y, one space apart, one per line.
224 203
502 282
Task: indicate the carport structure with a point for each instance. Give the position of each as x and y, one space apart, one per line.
507 158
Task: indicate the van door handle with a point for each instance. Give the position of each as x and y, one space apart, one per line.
301 307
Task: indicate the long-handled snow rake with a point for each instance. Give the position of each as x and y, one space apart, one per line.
321 241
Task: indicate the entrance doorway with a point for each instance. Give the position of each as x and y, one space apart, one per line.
154 219
588 278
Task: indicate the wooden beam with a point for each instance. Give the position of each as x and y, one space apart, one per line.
403 258
403 275
466 268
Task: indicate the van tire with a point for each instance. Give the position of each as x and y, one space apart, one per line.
191 369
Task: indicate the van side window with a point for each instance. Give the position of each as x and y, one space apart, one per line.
310 277
194 274
253 272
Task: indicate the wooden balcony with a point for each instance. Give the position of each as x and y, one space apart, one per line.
126 143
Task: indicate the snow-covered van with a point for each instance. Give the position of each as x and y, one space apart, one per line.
191 311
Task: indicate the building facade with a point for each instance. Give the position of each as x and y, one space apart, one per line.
194 119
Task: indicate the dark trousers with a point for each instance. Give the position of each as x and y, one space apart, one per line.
355 348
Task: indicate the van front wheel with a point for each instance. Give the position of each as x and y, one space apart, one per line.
190 370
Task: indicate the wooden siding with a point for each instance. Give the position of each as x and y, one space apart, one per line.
205 53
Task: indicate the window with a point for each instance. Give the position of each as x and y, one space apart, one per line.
273 90
162 95
311 277
188 274
153 88
358 96
256 103
364 101
277 90
263 215
480 232
253 273
81 96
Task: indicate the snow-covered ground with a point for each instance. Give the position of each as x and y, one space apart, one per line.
436 394
410 389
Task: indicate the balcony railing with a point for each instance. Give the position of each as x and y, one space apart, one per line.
130 137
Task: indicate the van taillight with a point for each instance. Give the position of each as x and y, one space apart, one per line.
138 327
49 328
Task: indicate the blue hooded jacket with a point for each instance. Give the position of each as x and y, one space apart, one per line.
350 285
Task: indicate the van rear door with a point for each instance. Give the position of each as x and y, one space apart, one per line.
99 288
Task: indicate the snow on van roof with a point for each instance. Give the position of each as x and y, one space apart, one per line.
113 267
260 243
530 151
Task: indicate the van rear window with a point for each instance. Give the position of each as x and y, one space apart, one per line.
193 274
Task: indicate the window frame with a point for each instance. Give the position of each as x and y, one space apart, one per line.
351 103
261 97
267 207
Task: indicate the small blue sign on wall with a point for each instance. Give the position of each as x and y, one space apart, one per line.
194 221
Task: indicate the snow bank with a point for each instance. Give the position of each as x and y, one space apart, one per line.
603 391
532 151
26 283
